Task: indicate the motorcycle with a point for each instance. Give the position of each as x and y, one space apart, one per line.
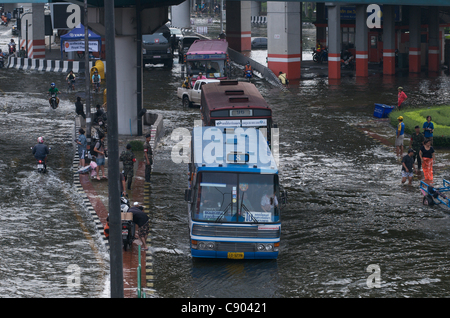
128 226
11 49
321 56
41 166
70 85
96 87
53 101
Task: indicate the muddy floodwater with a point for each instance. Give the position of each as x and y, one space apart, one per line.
347 211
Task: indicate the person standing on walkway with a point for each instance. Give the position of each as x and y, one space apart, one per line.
400 136
82 147
128 159
99 150
428 129
401 96
141 219
408 167
427 156
148 157
415 143
79 107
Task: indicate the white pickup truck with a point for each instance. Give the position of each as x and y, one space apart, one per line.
192 96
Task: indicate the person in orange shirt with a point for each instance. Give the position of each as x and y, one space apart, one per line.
401 96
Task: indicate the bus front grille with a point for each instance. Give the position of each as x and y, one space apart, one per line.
235 247
234 231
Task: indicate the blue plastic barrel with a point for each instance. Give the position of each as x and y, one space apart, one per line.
382 111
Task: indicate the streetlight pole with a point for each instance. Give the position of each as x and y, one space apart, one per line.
115 235
87 77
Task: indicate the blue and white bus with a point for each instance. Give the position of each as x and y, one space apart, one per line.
234 197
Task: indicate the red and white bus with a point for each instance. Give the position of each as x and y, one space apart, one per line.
235 104
209 57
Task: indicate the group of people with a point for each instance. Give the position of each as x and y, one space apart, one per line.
420 150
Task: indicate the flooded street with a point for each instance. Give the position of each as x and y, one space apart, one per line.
44 226
347 207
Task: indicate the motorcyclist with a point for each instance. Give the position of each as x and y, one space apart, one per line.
70 78
13 45
99 114
40 151
4 20
53 90
96 79
347 57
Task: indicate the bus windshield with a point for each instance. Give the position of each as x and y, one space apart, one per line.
224 197
210 69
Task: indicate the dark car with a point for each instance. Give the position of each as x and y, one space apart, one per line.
259 43
185 44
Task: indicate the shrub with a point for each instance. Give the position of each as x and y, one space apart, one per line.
137 145
416 117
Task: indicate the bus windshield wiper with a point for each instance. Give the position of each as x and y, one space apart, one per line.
223 213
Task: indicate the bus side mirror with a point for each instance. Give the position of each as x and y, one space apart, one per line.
283 197
187 195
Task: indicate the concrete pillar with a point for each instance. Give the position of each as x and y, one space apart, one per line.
321 32
126 71
362 44
33 31
238 27
284 38
255 8
334 42
181 17
388 40
414 39
433 40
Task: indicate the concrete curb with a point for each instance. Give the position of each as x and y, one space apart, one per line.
98 224
46 65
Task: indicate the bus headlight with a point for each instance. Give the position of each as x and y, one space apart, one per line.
203 245
267 247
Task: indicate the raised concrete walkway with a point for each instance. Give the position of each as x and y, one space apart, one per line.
95 197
